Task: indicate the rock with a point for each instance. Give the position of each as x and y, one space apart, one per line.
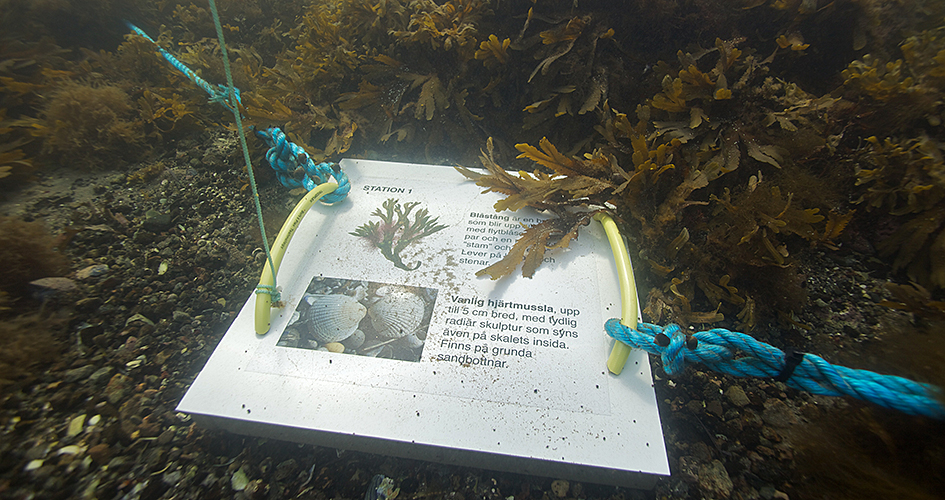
76 425
100 374
88 332
166 437
88 304
51 288
139 318
36 452
778 414
713 478
285 469
736 395
181 316
689 469
79 373
157 222
91 272
100 453
714 408
560 488
239 481
118 388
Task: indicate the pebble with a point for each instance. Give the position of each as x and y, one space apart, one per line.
118 387
100 374
285 469
79 373
76 425
166 436
36 452
51 288
778 414
91 272
69 450
736 395
134 363
157 222
88 304
713 478
560 487
181 316
239 481
139 317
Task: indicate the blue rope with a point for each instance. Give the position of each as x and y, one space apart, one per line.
295 168
718 349
218 93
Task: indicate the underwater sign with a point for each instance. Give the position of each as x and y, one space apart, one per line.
389 343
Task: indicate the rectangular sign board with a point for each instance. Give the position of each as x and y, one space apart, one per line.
388 342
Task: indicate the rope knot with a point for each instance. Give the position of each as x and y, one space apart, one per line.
295 168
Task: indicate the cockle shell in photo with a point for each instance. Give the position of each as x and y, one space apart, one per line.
334 317
398 313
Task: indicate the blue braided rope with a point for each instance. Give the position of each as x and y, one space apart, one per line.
218 93
738 354
295 168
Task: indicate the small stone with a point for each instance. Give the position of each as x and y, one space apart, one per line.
172 478
33 465
51 288
778 414
94 420
37 452
69 450
76 425
79 373
695 407
166 437
157 222
181 316
134 363
100 453
285 469
91 272
689 469
560 488
149 429
713 478
100 374
88 304
714 408
239 481
139 317
118 388
736 395
88 332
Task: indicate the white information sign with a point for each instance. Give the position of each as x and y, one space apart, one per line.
388 342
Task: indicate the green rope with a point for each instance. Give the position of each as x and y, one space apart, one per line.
234 107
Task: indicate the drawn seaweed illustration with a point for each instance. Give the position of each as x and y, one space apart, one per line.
396 231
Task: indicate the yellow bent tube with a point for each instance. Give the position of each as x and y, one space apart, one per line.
628 291
266 281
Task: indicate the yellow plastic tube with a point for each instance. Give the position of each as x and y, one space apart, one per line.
628 291
266 281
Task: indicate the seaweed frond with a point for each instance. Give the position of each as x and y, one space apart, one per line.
529 249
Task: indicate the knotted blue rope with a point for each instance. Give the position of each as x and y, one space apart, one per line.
218 93
295 168
741 355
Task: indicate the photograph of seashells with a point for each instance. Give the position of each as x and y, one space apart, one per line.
365 318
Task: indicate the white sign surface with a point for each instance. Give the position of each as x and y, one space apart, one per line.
389 343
